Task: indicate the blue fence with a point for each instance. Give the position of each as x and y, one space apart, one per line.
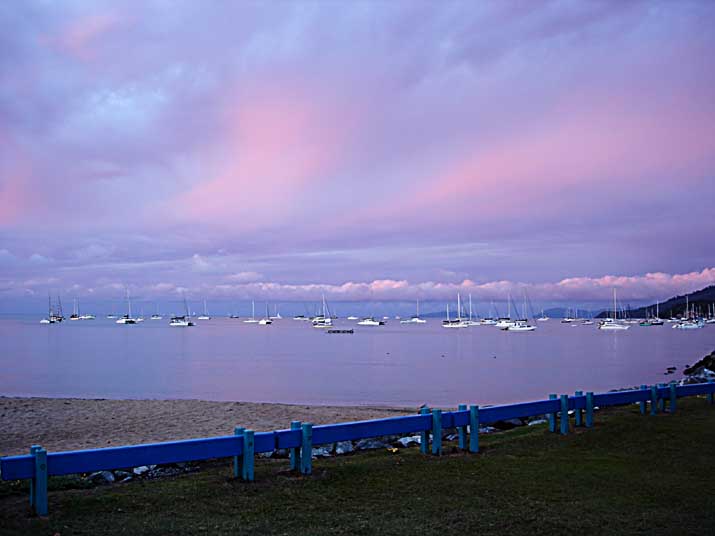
244 444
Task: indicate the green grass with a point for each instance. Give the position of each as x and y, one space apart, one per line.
629 475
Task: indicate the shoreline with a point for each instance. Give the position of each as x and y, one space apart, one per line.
84 423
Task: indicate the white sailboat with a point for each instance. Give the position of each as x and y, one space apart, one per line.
127 318
523 323
75 310
266 320
506 322
416 318
182 321
543 317
324 319
612 324
276 314
50 317
458 322
252 320
370 321
204 316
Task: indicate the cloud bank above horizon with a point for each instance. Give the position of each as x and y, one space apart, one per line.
368 150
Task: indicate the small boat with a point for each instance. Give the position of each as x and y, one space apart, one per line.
127 318
352 317
301 318
50 316
252 320
323 320
156 317
204 316
75 311
182 321
266 320
456 323
276 314
612 324
416 318
689 324
523 323
370 321
543 317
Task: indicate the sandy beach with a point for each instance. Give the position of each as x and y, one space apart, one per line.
73 423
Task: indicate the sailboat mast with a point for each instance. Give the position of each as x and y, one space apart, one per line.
508 305
470 307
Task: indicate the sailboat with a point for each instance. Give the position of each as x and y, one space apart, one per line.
276 314
266 320
471 321
50 317
543 317
506 322
689 320
75 311
323 320
370 321
182 321
252 320
204 316
156 315
458 322
523 323
127 318
612 324
416 318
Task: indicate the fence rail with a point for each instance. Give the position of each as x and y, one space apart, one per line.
301 437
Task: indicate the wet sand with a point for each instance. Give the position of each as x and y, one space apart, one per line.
73 423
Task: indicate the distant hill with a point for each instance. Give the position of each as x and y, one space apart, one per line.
701 299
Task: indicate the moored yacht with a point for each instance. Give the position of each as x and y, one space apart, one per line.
416 318
370 321
612 324
252 320
127 318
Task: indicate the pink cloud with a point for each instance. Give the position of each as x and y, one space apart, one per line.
79 37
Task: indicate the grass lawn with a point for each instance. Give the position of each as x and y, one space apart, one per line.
629 475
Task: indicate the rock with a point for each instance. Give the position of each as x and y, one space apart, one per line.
127 479
537 421
409 441
142 469
451 437
101 477
322 452
508 424
487 429
343 447
122 474
369 444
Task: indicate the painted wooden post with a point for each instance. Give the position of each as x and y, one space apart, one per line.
437 432
552 416
643 403
238 460
564 414
711 395
306 449
474 429
661 400
462 431
653 399
424 436
589 409
673 397
294 452
248 455
40 503
578 414
33 449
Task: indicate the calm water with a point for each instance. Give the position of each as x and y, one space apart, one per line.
225 359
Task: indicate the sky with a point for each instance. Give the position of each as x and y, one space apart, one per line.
365 150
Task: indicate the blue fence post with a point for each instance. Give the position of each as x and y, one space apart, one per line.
238 460
711 395
653 399
552 416
661 400
40 503
564 414
462 431
437 432
306 449
424 436
589 409
643 403
673 397
578 414
474 429
294 465
248 455
33 449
